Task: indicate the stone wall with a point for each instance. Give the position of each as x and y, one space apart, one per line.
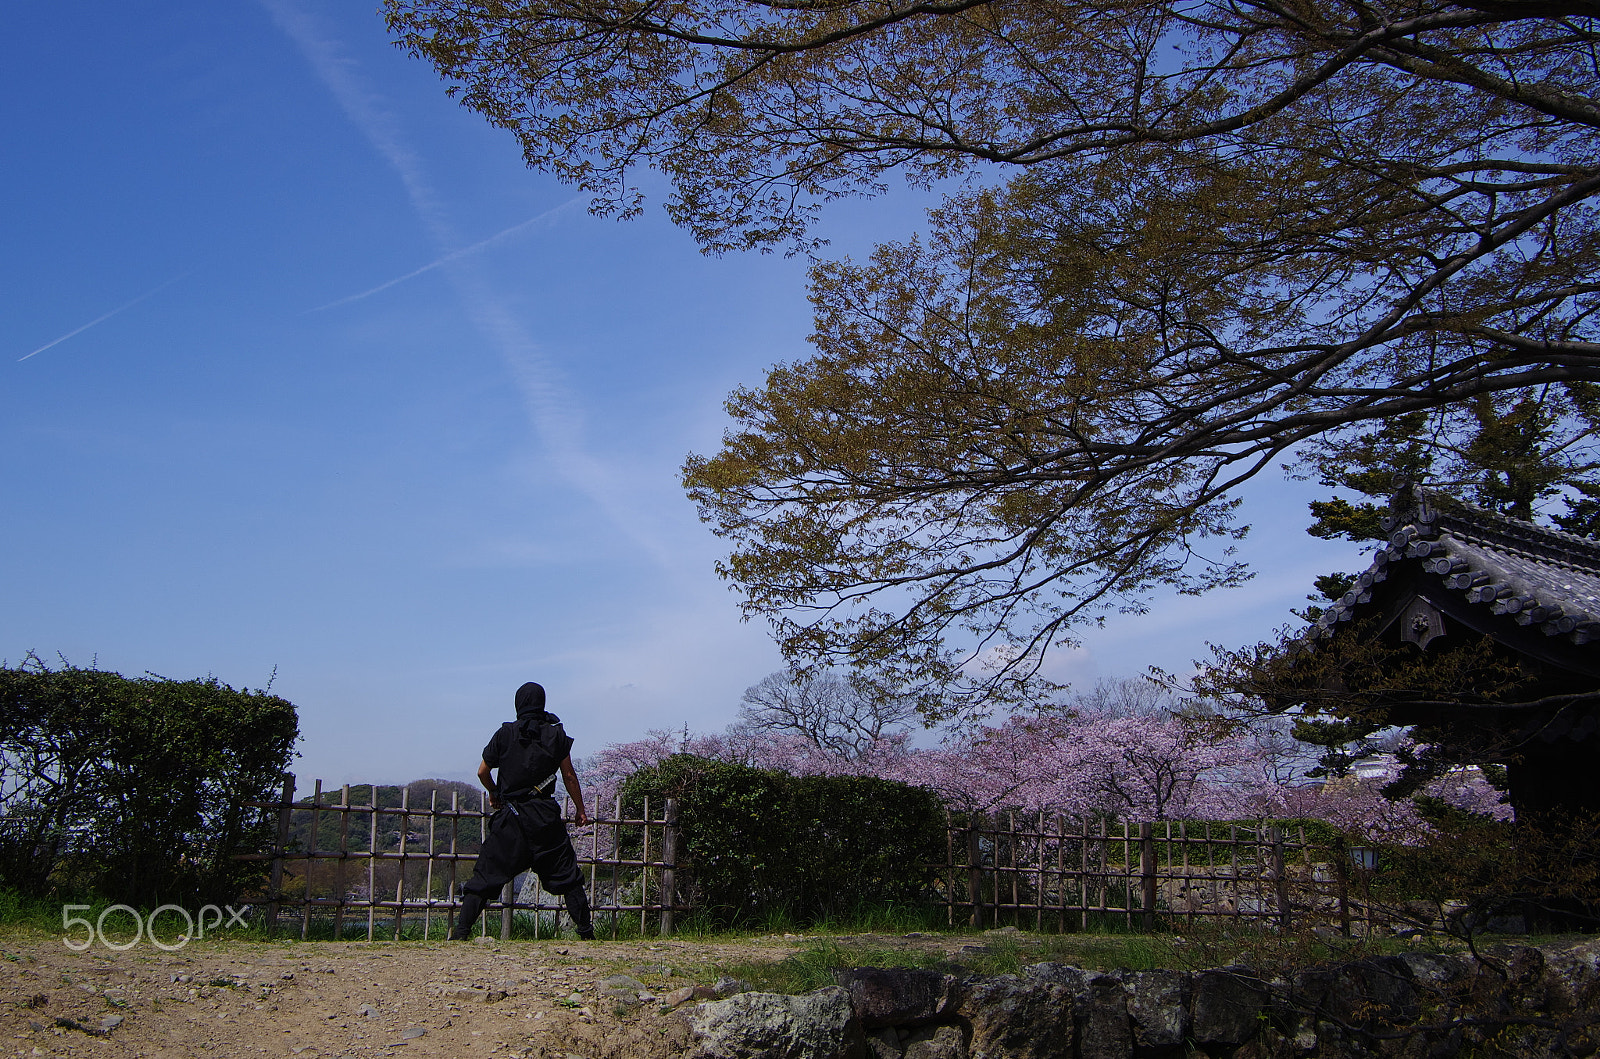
1513 1001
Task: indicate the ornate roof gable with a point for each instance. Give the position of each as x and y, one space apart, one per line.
1500 575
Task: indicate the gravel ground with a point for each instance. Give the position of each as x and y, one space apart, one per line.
312 999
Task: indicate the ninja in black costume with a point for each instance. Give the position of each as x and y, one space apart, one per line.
526 831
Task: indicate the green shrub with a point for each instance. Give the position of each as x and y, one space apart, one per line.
761 846
135 789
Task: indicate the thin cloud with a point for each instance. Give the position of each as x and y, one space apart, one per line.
551 410
454 255
102 319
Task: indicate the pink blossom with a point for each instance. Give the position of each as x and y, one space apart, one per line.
1087 764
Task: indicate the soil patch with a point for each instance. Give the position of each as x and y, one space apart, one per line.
317 999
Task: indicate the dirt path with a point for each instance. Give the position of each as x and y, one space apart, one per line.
315 999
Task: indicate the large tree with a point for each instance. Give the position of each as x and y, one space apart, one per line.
1193 238
839 713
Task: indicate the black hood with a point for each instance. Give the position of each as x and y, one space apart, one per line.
530 702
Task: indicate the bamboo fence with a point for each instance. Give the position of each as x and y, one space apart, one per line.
1048 871
335 862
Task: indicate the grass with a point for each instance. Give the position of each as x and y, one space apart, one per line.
815 963
855 938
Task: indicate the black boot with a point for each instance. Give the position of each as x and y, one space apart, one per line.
471 905
578 909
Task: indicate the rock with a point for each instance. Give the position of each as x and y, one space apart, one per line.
110 1022
465 993
1385 990
368 1010
728 986
678 996
1438 974
1523 965
884 1044
895 996
936 1042
1572 979
485 939
705 992
490 996
817 1025
1016 1019
1158 1007
411 1033
1102 1021
1227 1005
1076 979
625 998
1101 1003
622 981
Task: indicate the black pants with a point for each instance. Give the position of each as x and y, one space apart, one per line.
516 844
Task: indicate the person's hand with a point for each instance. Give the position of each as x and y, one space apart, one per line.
494 801
583 818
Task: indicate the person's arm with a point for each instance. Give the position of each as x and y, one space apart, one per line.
570 778
486 777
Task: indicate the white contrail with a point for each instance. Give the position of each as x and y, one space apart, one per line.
452 256
550 408
103 319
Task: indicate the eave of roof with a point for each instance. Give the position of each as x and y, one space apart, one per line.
1517 571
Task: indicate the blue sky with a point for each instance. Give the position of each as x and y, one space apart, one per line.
303 369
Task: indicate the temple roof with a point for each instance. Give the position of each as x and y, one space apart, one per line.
1506 571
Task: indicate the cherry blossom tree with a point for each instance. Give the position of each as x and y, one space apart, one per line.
842 714
1128 764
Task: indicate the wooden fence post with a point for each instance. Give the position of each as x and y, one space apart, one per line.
344 854
372 858
400 887
1341 873
311 850
275 880
1280 874
669 857
948 880
1147 873
506 898
974 870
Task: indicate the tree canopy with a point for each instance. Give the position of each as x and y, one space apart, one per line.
1187 241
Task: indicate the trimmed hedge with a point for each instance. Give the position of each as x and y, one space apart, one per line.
757 842
135 788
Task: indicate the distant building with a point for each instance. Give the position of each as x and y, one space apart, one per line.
1379 768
